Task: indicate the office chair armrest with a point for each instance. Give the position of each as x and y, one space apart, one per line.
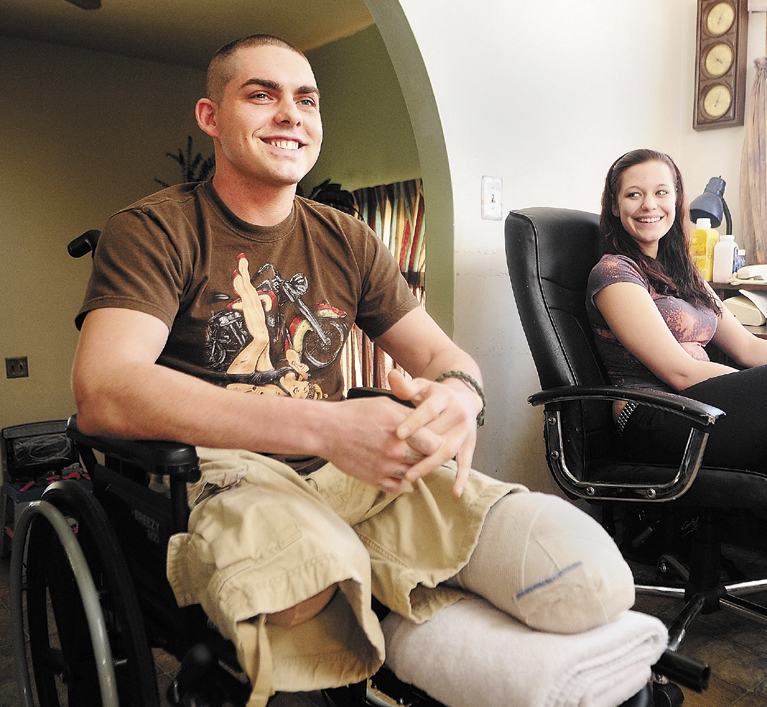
698 413
164 458
701 417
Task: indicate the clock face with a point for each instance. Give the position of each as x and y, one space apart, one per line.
717 101
720 18
721 44
719 59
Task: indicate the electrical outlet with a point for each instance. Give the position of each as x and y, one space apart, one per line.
16 367
492 194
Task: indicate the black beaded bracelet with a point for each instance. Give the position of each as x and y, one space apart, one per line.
477 388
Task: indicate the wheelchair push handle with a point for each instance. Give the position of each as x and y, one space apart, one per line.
84 244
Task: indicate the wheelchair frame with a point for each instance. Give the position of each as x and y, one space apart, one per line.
98 560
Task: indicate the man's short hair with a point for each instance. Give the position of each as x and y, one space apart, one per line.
221 68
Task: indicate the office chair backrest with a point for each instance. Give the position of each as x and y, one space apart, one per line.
550 253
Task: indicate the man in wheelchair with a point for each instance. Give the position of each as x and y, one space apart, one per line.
215 316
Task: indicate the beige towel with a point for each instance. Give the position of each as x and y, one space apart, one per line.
473 655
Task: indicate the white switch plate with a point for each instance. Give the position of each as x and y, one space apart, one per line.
492 196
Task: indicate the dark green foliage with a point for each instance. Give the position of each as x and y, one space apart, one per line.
194 168
331 194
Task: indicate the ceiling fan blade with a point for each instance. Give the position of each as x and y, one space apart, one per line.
87 4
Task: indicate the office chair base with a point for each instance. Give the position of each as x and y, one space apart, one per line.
726 598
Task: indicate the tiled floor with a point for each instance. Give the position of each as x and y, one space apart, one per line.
735 648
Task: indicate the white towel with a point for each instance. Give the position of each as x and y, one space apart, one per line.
473 655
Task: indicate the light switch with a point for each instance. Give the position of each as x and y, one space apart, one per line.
492 194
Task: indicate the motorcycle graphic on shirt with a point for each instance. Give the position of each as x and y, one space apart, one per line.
253 329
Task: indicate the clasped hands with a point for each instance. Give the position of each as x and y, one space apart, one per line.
441 427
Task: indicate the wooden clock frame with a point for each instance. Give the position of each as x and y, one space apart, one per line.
734 78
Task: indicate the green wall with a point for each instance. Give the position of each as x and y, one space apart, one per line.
368 137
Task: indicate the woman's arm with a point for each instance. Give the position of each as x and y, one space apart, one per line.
634 319
738 343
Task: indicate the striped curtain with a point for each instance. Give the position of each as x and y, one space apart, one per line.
396 213
753 170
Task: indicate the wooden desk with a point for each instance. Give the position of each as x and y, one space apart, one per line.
725 290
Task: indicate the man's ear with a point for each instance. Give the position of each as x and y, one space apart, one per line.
205 112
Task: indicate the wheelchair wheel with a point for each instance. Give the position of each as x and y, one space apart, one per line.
66 659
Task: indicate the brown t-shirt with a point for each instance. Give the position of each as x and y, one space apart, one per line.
257 309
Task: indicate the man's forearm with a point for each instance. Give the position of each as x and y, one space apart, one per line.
148 401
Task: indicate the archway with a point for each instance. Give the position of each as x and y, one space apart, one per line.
416 88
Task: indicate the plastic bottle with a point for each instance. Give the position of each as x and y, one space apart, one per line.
725 252
711 243
740 260
702 242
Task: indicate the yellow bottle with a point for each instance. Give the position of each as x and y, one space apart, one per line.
702 242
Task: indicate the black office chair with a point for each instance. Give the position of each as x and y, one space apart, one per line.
550 253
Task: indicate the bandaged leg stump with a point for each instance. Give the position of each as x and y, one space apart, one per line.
548 564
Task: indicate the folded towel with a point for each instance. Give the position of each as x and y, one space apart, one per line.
473 655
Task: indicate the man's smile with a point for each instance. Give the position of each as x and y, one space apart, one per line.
283 143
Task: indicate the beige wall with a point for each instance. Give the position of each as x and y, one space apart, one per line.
544 95
85 133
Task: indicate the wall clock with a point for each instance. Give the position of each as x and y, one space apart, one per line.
720 64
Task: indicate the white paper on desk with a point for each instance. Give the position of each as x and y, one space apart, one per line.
758 298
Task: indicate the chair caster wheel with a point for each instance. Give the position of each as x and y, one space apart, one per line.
668 695
192 698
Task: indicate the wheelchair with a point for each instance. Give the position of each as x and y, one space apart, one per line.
88 587
92 569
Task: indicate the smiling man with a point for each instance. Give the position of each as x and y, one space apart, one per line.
216 315
266 126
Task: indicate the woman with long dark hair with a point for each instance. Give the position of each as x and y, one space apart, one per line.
653 314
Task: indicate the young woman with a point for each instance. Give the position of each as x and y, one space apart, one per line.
652 314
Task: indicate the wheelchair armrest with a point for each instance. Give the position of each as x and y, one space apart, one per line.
697 412
361 392
700 415
165 458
